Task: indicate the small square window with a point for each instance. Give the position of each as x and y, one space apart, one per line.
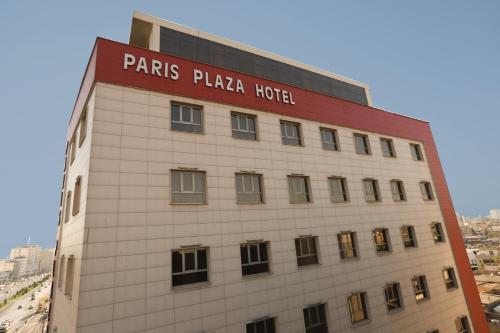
306 250
393 299
420 288
408 235
315 319
254 258
387 147
398 190
437 232
358 309
244 126
382 241
347 244
338 189
188 187
249 188
291 133
189 265
450 280
299 189
371 190
262 326
362 144
186 118
416 152
462 325
426 189
329 139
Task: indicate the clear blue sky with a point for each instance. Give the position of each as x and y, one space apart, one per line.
435 60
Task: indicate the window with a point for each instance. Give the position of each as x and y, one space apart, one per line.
67 207
347 245
254 258
68 287
83 128
315 319
408 235
450 280
387 147
298 189
243 126
290 133
188 187
262 326
462 324
398 190
189 266
72 149
362 144
62 263
437 232
381 238
370 187
416 152
420 288
329 138
305 247
393 296
249 188
186 118
426 189
77 195
357 307
338 189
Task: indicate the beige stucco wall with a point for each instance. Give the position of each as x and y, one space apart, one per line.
125 284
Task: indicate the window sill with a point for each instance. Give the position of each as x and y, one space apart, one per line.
308 266
395 311
198 285
360 323
255 276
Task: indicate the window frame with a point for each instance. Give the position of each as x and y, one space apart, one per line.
416 152
61 275
319 311
72 148
285 137
344 187
361 300
461 325
77 195
421 287
426 190
366 143
400 195
259 261
391 148
452 278
70 275
260 179
82 132
254 329
395 288
332 146
307 187
246 116
182 251
384 247
181 182
437 232
410 231
307 258
343 252
67 207
376 190
191 107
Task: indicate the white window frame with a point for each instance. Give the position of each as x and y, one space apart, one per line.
408 230
427 191
251 191
398 190
390 152
193 191
390 290
239 115
326 143
365 150
259 259
416 152
351 248
335 196
437 231
303 187
372 194
449 278
184 271
310 240
284 127
315 310
181 120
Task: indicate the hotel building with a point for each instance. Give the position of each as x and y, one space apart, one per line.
214 187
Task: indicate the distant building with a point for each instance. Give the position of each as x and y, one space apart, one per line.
495 214
7 269
31 260
47 260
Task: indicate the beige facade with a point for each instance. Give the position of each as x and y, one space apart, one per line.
126 228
